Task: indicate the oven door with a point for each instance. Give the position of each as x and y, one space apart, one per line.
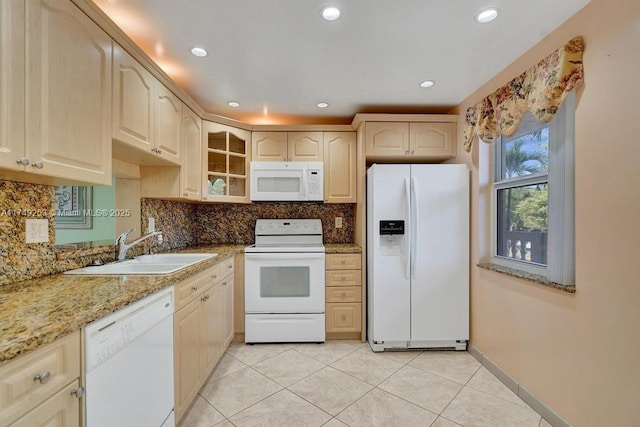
284 282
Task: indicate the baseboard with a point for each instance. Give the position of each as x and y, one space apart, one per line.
551 416
238 338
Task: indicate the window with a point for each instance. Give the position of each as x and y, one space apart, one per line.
533 199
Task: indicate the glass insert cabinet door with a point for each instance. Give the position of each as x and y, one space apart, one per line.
226 163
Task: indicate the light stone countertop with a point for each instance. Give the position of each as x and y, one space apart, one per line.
39 311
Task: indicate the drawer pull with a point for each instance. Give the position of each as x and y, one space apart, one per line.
43 377
214 276
229 266
344 261
194 288
205 298
344 278
224 283
344 294
78 392
344 318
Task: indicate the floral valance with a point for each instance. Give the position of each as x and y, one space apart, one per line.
540 90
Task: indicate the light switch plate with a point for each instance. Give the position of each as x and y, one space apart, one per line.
338 222
37 231
152 224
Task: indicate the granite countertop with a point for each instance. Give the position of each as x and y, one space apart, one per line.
342 248
39 311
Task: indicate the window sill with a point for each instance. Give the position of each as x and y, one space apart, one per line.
534 278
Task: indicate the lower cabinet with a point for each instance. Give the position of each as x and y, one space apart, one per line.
42 387
203 328
343 296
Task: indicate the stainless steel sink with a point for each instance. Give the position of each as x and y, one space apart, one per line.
145 264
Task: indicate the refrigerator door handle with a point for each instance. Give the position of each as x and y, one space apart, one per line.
414 225
407 235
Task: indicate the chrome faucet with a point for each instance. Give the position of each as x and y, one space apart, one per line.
123 246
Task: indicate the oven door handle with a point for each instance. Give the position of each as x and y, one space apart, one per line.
288 256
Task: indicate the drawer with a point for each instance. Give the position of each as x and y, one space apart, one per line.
188 289
343 278
63 408
20 388
344 294
226 267
344 317
343 262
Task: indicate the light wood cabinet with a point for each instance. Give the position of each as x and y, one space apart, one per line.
37 389
147 117
132 101
168 124
12 74
343 296
287 146
178 182
203 328
340 167
412 141
191 171
225 163
56 94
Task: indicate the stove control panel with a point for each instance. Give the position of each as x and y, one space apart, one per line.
288 226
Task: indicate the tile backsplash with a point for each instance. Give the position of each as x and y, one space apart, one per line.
185 224
234 223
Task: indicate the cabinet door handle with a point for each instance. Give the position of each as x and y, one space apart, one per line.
413 152
23 161
214 276
78 392
406 153
185 194
159 151
37 165
194 288
344 317
224 283
43 377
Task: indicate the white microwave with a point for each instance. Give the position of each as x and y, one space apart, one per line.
287 181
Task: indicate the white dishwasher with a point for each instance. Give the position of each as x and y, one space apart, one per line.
129 365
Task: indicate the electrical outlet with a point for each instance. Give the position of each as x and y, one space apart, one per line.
152 224
37 230
338 222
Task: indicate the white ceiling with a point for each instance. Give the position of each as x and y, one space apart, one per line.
278 58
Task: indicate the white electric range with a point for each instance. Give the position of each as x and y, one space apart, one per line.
284 282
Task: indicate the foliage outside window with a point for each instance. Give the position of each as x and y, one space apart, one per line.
533 197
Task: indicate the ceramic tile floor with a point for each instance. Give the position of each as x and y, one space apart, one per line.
343 383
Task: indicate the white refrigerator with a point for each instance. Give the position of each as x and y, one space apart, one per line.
417 256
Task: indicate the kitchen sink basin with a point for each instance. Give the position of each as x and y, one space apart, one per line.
145 264
171 258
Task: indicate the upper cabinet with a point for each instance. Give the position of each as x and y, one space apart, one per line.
340 167
56 94
12 140
147 117
191 171
225 163
168 119
422 138
132 101
287 146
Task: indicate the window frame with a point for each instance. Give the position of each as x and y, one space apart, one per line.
560 178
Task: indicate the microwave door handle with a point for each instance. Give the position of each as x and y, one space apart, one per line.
304 184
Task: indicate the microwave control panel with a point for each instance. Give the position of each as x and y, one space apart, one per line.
314 182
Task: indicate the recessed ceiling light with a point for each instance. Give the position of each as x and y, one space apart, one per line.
198 51
427 83
487 15
322 105
233 104
330 13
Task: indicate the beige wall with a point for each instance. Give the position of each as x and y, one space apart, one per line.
578 353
